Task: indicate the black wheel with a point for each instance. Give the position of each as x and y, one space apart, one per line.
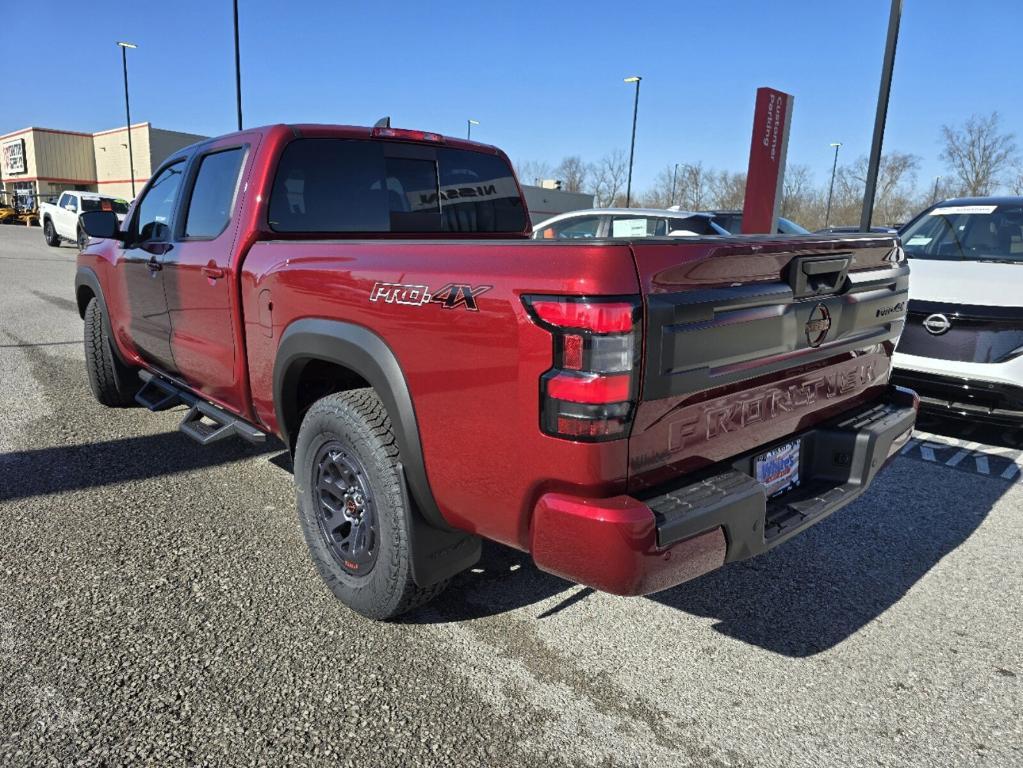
351 506
50 234
83 239
112 382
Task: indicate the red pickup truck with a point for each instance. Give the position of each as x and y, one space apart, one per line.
633 413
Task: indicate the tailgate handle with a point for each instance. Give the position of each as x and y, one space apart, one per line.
814 275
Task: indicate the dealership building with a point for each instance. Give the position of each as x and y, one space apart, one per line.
42 162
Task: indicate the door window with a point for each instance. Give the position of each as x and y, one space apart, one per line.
583 228
153 215
213 194
638 226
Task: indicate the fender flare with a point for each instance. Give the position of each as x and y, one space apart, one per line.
439 551
365 353
85 277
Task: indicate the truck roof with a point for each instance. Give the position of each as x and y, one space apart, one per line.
324 130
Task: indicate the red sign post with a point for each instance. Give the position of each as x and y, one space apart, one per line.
767 152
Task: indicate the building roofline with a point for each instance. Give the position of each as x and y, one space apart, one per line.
68 133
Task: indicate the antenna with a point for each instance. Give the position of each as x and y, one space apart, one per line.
383 122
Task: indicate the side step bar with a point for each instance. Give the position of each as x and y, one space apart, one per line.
204 422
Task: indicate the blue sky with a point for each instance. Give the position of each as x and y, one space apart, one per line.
544 79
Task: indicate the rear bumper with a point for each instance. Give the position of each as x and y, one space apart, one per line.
965 398
631 546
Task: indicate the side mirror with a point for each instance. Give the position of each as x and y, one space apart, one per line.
101 224
154 238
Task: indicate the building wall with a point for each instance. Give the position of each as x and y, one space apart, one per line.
96 162
162 143
64 157
544 203
110 150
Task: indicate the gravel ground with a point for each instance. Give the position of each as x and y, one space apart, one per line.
157 607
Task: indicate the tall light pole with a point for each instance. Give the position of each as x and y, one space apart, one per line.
831 190
237 67
470 124
127 110
881 116
934 197
674 178
632 147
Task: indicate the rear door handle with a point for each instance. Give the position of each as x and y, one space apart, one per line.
213 273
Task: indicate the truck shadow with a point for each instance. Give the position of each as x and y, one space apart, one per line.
57 469
798 600
828 583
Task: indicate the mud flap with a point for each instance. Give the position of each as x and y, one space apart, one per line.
437 554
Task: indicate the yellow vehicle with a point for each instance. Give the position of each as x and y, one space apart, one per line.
8 213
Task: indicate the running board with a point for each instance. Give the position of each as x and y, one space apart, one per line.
205 423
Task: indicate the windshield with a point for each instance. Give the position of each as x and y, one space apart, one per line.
967 233
104 204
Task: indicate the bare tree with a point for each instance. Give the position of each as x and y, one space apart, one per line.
608 175
1017 183
978 154
797 187
895 200
694 186
573 174
728 190
660 194
533 171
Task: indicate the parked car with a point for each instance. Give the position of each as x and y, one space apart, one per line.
60 220
731 221
962 348
853 230
623 410
593 223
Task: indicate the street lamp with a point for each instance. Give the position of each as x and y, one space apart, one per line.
470 124
237 67
831 190
127 110
632 147
934 197
674 178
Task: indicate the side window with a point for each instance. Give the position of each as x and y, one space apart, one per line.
72 200
572 229
631 226
213 194
63 200
156 205
693 225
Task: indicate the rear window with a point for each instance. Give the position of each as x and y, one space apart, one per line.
104 204
351 185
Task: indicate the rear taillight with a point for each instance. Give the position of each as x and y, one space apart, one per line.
590 393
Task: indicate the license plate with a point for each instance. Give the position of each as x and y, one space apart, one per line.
778 469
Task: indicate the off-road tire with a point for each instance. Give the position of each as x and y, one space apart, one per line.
357 421
50 234
112 382
83 239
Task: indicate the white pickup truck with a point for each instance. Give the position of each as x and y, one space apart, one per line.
60 220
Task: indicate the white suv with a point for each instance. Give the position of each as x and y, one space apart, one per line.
962 347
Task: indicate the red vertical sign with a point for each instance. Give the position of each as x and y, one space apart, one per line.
767 152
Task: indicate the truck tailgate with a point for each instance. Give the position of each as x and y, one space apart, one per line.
747 342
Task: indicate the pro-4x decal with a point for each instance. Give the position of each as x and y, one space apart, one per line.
450 296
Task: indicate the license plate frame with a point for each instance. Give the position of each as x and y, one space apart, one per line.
778 469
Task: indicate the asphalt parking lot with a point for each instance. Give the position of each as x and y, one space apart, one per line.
157 607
